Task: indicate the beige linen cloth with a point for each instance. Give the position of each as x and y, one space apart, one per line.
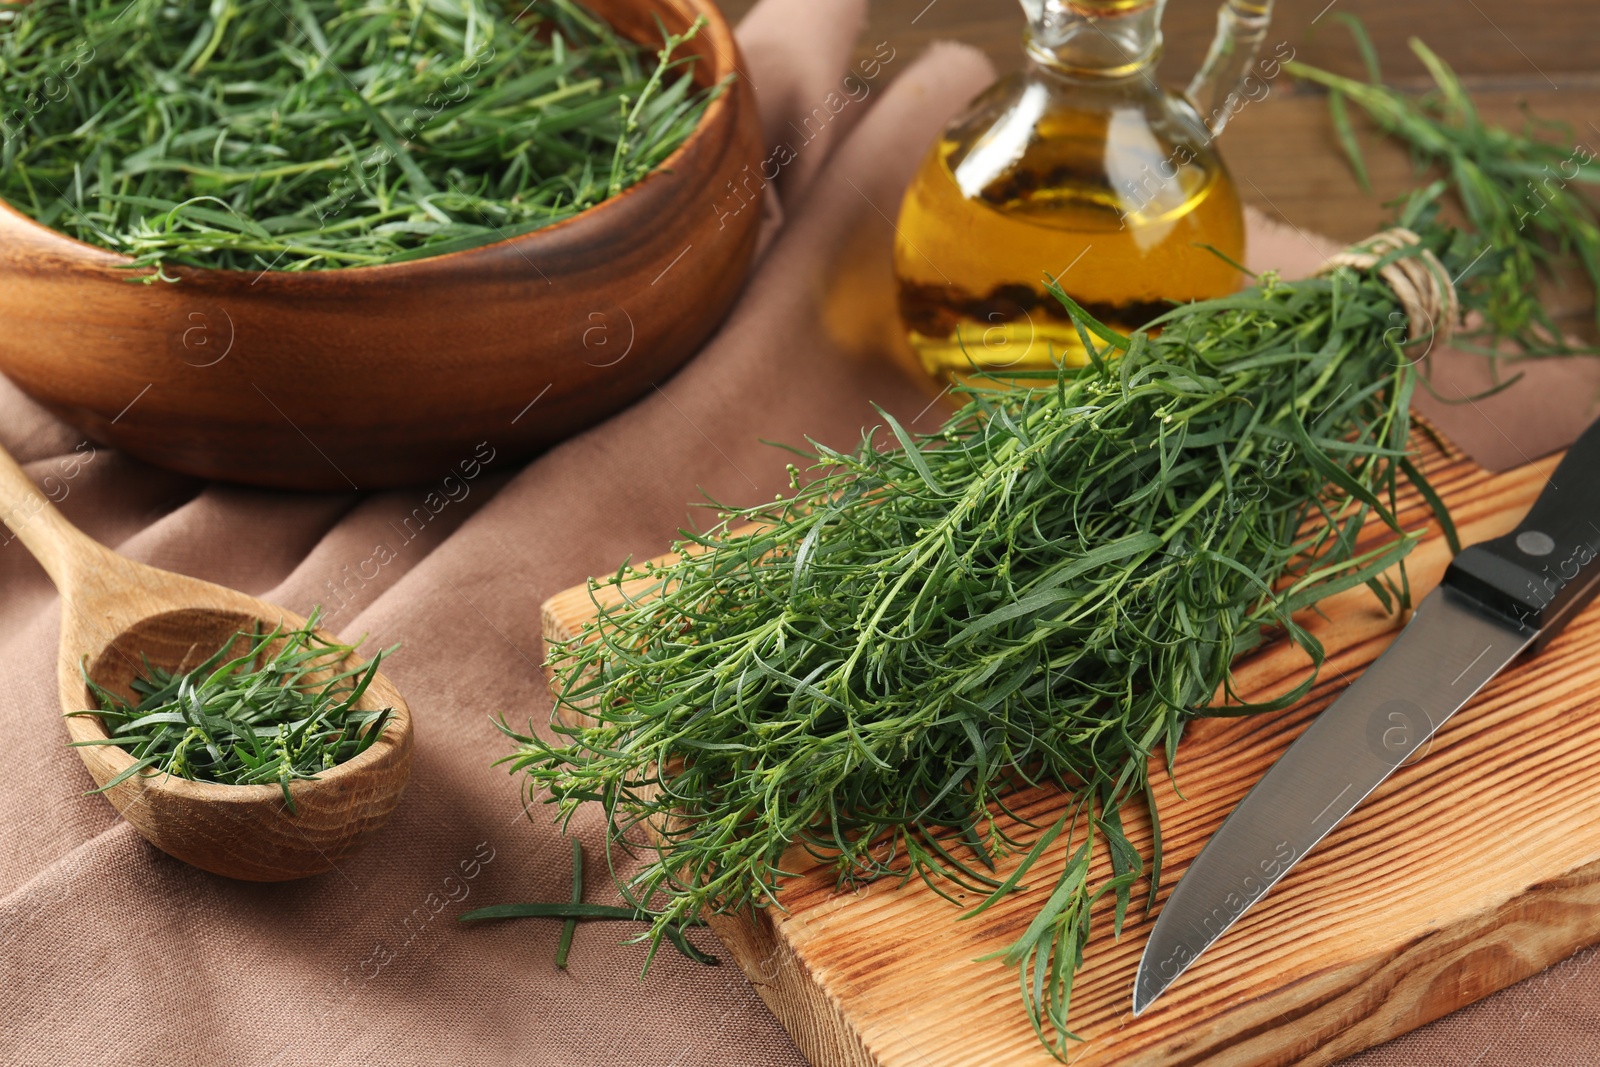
112 953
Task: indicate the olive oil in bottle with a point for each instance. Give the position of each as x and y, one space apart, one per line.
1078 170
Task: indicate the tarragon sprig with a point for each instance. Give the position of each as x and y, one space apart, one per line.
271 707
313 134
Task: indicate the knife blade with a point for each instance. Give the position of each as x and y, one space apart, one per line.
1498 599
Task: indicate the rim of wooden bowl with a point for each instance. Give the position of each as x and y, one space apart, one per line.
717 32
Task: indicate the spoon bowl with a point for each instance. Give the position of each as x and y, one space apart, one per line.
115 613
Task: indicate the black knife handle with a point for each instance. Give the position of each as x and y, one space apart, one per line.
1545 570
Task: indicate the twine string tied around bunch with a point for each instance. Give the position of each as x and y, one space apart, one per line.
1426 293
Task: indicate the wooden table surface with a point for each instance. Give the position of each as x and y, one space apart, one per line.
1542 55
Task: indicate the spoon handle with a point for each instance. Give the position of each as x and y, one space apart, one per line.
60 547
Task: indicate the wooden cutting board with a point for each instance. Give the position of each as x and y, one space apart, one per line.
1473 867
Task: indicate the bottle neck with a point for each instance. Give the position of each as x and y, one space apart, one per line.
1095 40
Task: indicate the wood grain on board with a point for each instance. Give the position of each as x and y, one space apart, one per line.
1473 867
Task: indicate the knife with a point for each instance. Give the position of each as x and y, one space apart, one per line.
1497 600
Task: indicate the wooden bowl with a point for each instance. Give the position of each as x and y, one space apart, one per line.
375 376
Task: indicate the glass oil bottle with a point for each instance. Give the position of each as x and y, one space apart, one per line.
1078 170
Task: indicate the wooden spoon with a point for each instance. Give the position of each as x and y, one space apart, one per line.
115 611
